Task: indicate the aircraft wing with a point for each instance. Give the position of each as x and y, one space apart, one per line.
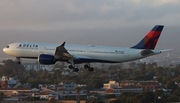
62 53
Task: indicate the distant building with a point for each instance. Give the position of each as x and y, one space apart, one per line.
111 84
151 85
10 92
47 94
67 85
101 92
116 88
62 90
4 82
9 83
118 91
128 83
47 86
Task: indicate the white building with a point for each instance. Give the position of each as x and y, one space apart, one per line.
111 84
66 85
71 93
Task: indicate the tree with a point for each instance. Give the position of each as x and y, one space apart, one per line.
159 92
1 96
78 89
173 98
53 100
92 100
142 67
132 65
115 101
177 92
171 85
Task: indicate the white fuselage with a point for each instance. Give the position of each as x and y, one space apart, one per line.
82 52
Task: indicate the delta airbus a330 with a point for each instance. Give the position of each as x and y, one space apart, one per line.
48 53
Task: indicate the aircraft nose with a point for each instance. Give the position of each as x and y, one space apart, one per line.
4 50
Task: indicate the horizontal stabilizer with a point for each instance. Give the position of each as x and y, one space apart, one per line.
166 50
146 52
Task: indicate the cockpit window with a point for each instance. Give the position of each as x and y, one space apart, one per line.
7 46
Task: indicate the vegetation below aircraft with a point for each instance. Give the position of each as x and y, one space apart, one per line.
140 71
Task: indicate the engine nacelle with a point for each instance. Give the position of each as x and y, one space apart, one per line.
46 59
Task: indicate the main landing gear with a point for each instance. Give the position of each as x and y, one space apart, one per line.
86 66
18 60
73 68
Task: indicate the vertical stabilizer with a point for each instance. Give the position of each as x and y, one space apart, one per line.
151 39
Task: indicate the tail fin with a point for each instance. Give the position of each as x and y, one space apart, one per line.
150 40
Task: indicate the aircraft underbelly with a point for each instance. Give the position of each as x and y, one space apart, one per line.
111 57
104 58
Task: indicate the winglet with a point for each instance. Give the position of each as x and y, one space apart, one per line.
150 40
63 44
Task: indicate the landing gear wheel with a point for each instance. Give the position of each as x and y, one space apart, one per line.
75 69
18 61
86 66
91 69
71 66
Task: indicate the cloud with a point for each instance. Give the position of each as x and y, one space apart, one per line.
87 21
63 14
163 2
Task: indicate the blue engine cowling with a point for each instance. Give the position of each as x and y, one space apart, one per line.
46 59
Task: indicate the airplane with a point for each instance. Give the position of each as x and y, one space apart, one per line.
50 53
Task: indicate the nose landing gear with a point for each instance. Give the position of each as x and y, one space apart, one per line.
18 60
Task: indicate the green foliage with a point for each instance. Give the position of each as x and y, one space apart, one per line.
173 98
142 67
177 92
1 96
171 85
109 96
159 92
146 97
94 100
52 100
142 77
115 101
11 68
34 98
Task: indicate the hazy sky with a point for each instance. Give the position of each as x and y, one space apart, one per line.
100 22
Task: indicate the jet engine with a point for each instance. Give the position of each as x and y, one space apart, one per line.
46 59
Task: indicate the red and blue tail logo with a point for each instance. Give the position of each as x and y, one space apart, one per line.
151 39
